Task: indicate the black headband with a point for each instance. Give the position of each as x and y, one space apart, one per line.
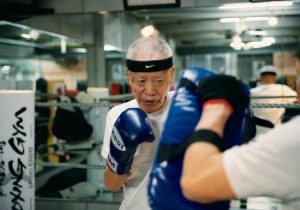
149 66
268 73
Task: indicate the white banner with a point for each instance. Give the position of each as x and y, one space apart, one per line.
17 185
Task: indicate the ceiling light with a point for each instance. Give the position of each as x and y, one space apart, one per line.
26 36
63 46
34 34
269 40
237 46
5 69
229 20
80 50
265 42
108 47
148 30
257 5
237 43
103 12
272 21
258 44
258 33
250 19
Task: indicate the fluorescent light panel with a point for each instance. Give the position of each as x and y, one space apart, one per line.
108 47
257 5
258 33
271 20
229 20
250 19
63 46
26 36
237 44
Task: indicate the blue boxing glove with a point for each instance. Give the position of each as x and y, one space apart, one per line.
164 191
132 128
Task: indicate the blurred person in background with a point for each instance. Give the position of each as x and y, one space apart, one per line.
268 87
292 112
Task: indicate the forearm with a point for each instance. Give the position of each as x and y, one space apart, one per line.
203 178
214 117
113 181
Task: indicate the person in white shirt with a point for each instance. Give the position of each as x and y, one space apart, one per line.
268 166
268 87
150 71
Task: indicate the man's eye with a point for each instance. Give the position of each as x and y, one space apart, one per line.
158 82
142 81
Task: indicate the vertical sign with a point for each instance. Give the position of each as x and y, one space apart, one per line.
17 150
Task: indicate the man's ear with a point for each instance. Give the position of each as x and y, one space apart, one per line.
172 70
128 75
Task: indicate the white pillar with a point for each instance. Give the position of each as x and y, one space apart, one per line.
17 182
95 54
97 118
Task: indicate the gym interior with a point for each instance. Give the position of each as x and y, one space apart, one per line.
70 56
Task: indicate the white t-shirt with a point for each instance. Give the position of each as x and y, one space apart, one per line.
272 114
269 166
135 185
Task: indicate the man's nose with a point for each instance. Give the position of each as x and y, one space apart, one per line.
149 88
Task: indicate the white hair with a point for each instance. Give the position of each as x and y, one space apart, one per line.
153 48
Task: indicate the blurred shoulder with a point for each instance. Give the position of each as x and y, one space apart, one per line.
170 94
118 109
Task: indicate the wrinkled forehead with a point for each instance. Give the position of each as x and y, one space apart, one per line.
147 57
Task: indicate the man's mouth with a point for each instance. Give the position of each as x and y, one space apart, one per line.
149 102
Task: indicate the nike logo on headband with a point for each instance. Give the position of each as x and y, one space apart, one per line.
148 67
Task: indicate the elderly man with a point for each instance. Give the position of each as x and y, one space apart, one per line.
129 143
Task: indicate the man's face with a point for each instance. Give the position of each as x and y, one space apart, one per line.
268 79
150 88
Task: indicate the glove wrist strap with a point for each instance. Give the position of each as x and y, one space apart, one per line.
117 167
206 135
174 151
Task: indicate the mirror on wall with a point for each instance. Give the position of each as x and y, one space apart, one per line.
28 53
236 39
264 33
